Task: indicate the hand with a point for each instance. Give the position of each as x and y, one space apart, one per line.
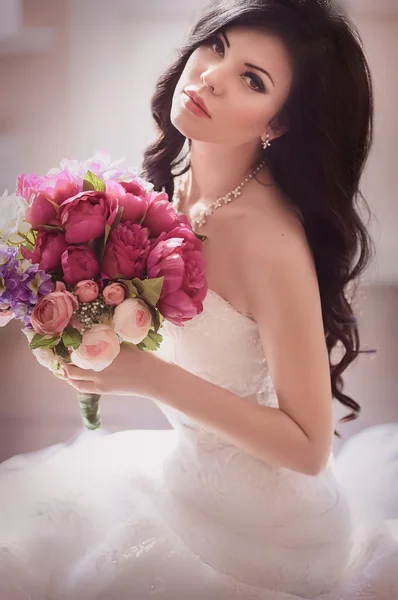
126 376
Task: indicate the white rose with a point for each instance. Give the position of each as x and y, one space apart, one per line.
12 213
45 356
132 320
5 317
100 346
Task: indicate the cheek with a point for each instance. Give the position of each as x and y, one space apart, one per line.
248 115
188 75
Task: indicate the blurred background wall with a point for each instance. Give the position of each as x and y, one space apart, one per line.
77 76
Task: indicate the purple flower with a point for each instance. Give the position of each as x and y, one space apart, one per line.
22 284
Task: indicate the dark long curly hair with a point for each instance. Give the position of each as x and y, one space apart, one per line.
318 162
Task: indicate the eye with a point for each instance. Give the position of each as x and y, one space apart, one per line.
216 41
258 82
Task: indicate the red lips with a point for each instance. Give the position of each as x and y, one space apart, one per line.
198 100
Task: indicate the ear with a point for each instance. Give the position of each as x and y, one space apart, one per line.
275 132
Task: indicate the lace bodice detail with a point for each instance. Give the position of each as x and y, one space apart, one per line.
222 346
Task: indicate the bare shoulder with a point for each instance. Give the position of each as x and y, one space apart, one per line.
267 231
260 242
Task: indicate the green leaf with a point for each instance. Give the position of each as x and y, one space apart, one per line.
62 352
151 343
44 341
71 337
155 317
28 246
156 320
131 288
149 289
118 217
92 182
200 237
108 229
54 342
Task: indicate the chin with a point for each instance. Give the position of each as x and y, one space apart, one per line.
188 129
187 124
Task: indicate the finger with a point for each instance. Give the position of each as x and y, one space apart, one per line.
86 387
73 372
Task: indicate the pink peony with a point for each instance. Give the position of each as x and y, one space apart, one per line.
53 312
178 257
126 252
123 194
134 187
48 250
99 348
132 320
45 194
42 212
27 185
114 294
87 290
160 216
84 216
79 263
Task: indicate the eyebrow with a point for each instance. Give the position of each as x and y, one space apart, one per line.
248 64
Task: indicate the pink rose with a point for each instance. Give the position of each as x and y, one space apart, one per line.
53 312
178 257
79 263
5 317
48 250
86 290
134 206
126 252
99 348
46 194
132 320
114 294
160 216
84 216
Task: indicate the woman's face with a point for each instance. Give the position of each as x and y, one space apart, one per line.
240 99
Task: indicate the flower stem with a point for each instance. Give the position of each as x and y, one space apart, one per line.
89 410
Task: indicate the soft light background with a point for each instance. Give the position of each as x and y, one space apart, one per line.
77 76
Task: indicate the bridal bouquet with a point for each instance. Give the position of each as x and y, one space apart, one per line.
90 258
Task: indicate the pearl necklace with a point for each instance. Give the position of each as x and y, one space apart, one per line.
201 219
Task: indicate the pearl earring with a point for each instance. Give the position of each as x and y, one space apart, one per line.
266 142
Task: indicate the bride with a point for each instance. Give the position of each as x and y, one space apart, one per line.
240 499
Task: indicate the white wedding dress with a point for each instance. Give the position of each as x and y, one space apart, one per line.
182 514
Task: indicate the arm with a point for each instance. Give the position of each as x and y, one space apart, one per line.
282 294
261 431
283 297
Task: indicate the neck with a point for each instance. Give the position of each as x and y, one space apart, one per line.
216 170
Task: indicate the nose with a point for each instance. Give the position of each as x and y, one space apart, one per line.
209 78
